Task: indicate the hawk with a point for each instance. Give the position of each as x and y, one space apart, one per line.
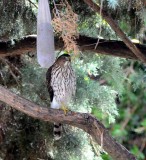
61 84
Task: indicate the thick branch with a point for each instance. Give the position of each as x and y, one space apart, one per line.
107 47
116 28
81 120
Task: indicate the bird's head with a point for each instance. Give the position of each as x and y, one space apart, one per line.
64 60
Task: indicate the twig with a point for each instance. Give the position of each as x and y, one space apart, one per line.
57 12
81 120
11 65
11 71
96 150
143 145
33 3
126 121
3 79
100 23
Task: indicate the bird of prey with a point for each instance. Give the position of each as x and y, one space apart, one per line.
61 84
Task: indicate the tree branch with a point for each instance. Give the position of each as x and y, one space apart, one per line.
33 4
81 120
116 28
106 47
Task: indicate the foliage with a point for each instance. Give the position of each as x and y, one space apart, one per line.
137 153
99 80
16 19
113 3
103 77
97 94
130 129
75 142
91 27
65 25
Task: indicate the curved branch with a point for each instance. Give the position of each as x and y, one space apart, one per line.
81 120
117 29
106 47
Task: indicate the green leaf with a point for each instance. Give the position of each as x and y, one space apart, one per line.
117 132
135 150
105 157
143 123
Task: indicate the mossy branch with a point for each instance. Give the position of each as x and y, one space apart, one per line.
84 121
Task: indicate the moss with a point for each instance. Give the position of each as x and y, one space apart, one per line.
17 20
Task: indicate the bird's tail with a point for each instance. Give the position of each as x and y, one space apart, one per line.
57 131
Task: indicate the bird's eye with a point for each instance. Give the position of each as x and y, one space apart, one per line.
67 58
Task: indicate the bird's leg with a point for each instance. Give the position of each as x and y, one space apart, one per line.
64 108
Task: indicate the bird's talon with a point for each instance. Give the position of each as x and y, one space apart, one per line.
65 109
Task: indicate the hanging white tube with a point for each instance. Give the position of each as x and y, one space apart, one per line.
45 36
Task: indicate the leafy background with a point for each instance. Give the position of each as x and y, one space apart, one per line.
112 89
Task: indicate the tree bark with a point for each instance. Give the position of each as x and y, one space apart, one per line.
106 47
84 121
116 28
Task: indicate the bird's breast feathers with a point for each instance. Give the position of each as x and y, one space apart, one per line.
63 83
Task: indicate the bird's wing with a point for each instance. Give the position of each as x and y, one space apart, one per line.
73 83
48 80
